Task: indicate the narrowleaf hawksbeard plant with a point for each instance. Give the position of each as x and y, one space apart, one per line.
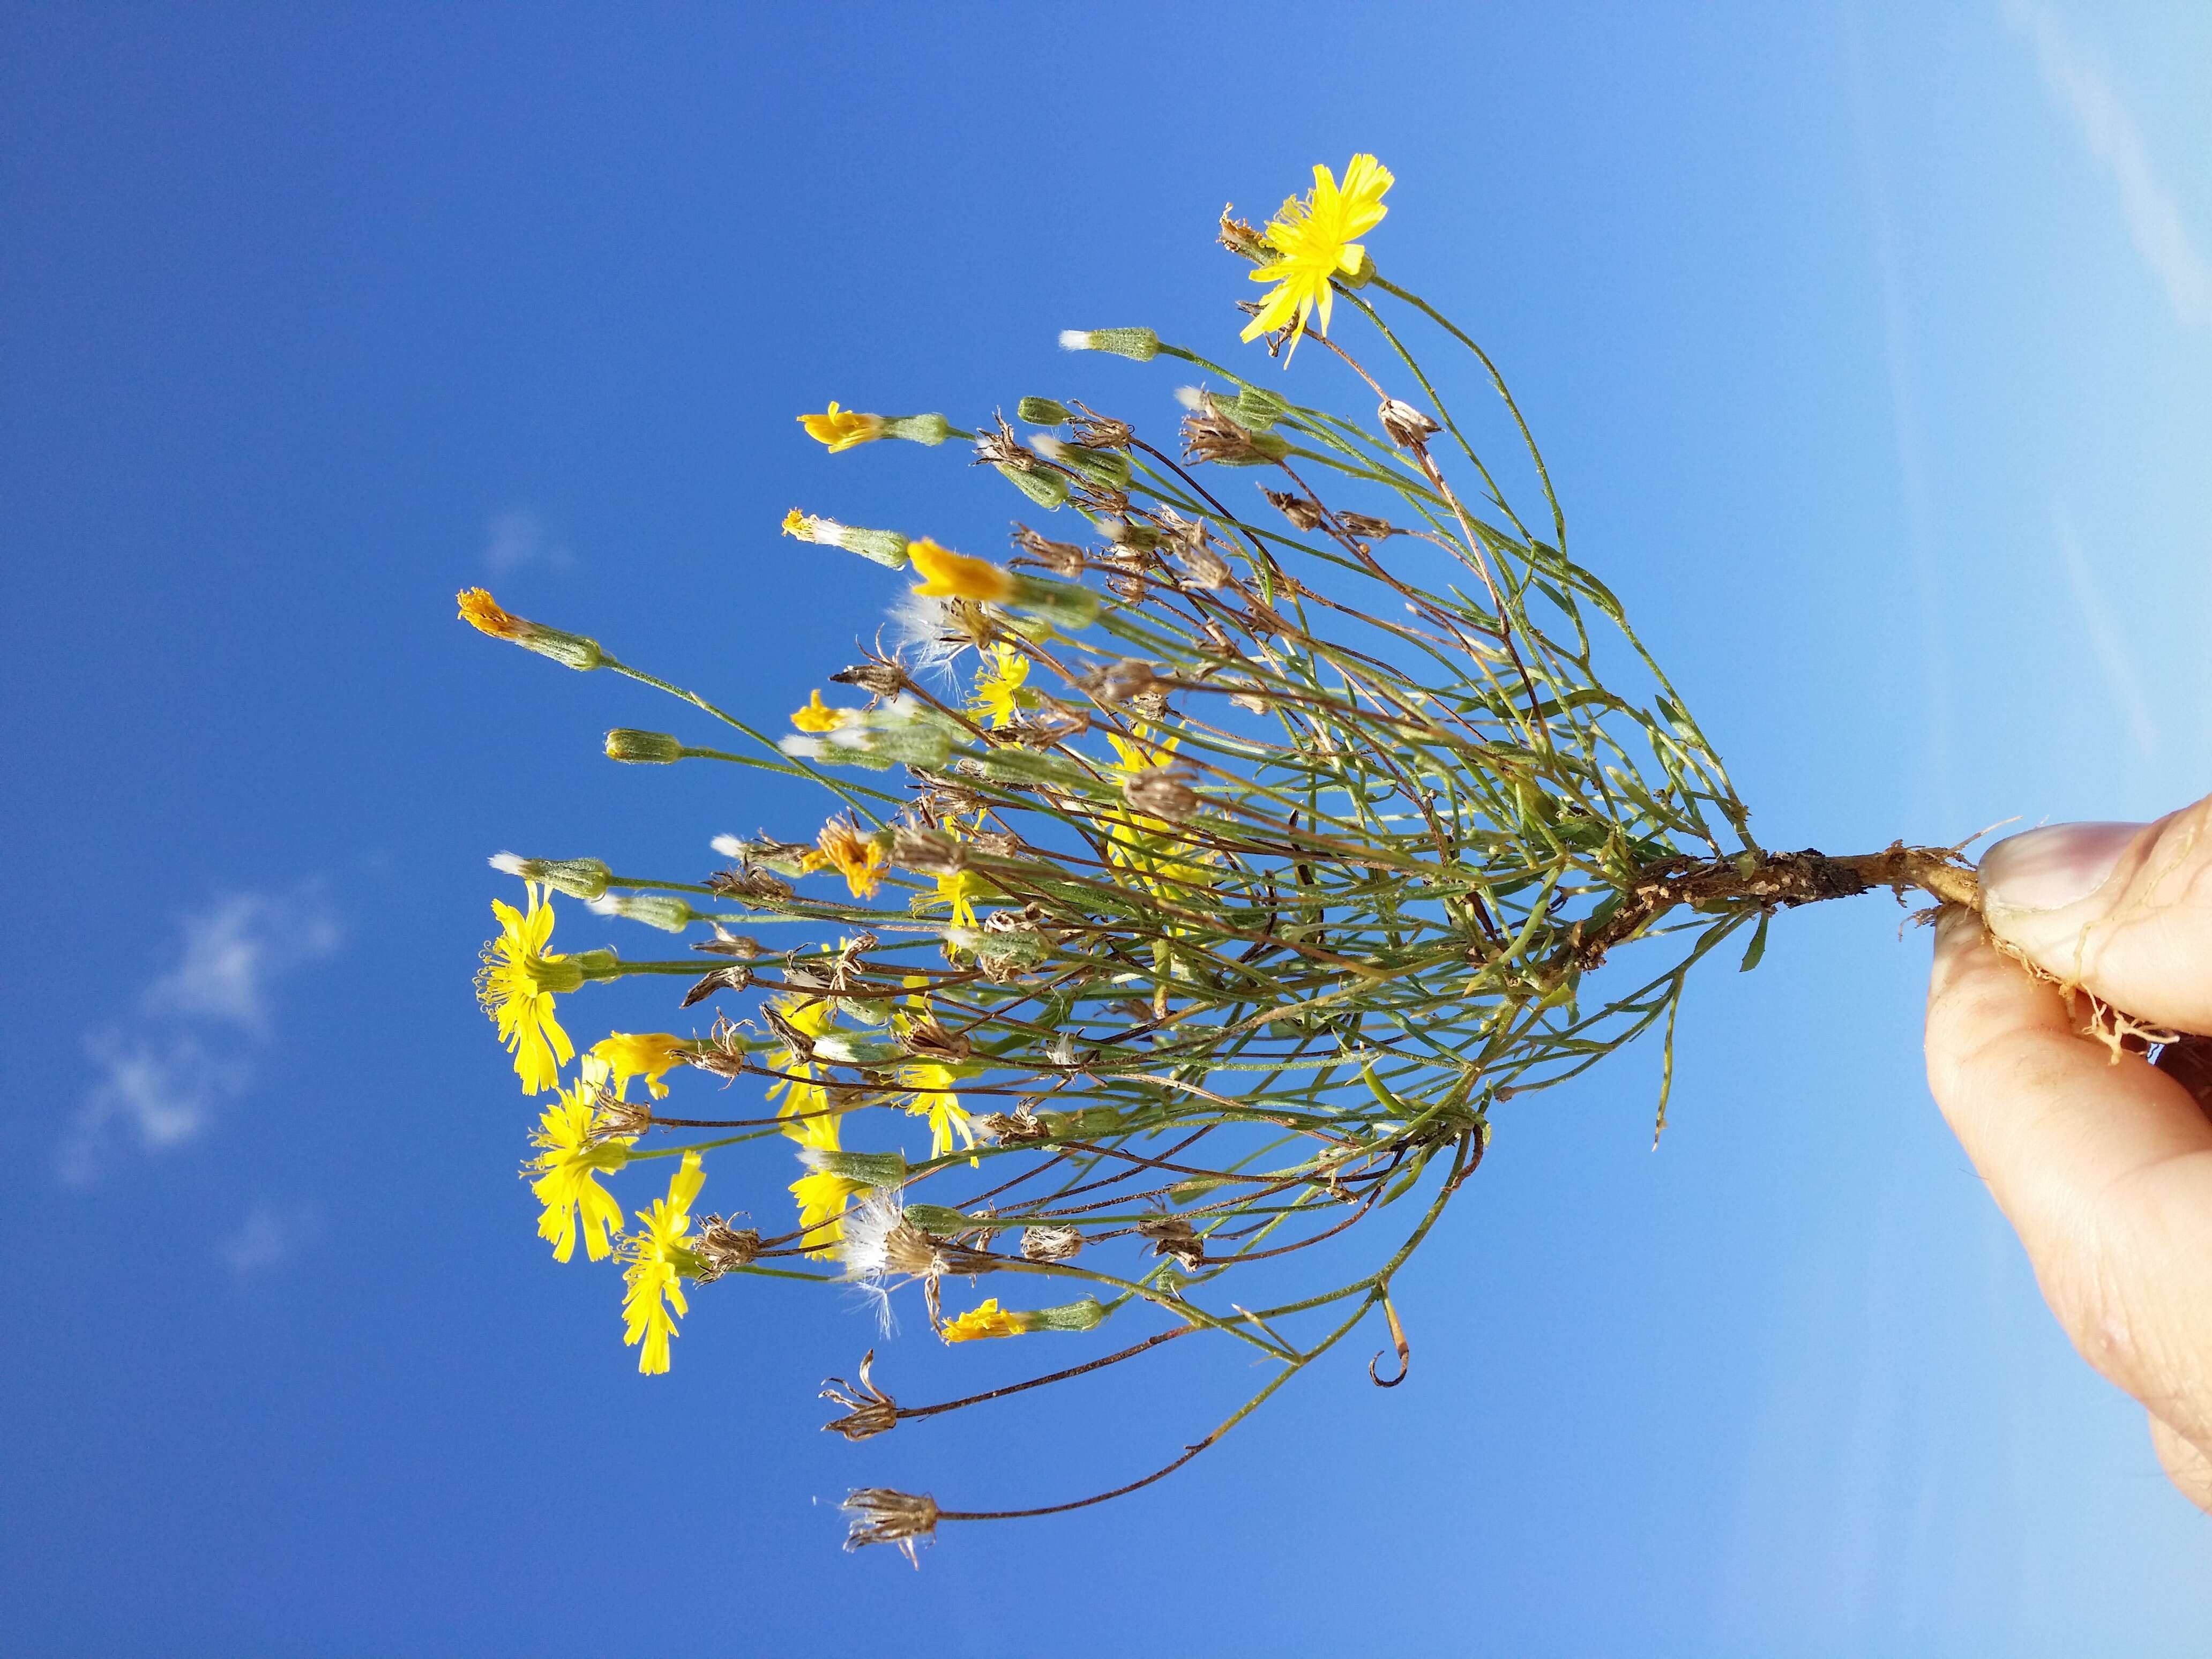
1185 898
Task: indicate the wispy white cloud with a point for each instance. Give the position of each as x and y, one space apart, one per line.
2153 217
194 1029
268 1238
2122 682
516 537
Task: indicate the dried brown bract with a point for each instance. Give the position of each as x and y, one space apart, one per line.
925 1039
1210 435
926 852
735 977
1409 428
1161 793
1171 1236
1001 448
1302 511
880 677
868 1410
1095 431
1062 558
1050 1244
881 1516
725 1248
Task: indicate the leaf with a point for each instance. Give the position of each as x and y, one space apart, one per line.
1757 949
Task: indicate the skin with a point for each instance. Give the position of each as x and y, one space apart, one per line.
2103 1164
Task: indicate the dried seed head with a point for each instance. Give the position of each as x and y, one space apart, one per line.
614 1116
1161 793
1409 428
881 1516
927 1039
1301 510
1172 1236
724 943
926 852
1054 723
1210 435
997 843
1246 699
735 977
724 1057
1203 567
1095 431
1061 558
1001 448
868 1410
1131 589
1367 529
1118 681
882 678
725 1248
1050 1244
1019 1128
944 800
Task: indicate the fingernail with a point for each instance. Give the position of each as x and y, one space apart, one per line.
2049 868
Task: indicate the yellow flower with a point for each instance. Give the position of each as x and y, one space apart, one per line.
999 685
654 1275
950 576
821 1198
804 1099
932 1097
1312 241
515 986
819 716
482 612
649 1057
568 1165
841 428
989 1320
798 524
841 846
957 890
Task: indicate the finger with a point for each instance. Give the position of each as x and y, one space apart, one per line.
2103 1166
2188 1062
2123 910
2185 1462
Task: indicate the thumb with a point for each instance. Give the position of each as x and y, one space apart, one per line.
2123 910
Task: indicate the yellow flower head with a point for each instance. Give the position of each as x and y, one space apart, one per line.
819 716
989 1320
821 1198
1312 241
515 986
482 612
950 576
841 846
654 1273
650 1056
956 889
806 1103
841 428
801 525
999 685
932 1084
568 1165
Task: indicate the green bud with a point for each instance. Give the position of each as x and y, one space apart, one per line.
582 879
1042 411
1064 604
919 429
871 1169
643 748
943 1221
1085 1315
1046 488
663 910
1257 409
569 650
1141 344
840 1048
885 547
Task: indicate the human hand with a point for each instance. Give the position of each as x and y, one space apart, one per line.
2103 1165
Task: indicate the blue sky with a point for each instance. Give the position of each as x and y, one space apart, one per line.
1869 348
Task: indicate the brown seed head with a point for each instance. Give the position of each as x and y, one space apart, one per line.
881 1516
1061 558
1409 428
1241 239
1161 793
1002 448
613 1116
927 1039
1050 1244
882 679
1095 431
1172 1236
1367 529
869 1411
734 977
725 1248
1301 510
926 852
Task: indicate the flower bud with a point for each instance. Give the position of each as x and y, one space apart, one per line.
1042 411
870 1168
1141 344
1107 467
581 879
481 612
1085 1315
940 1220
1048 488
844 1048
663 910
643 748
1256 409
885 547
930 430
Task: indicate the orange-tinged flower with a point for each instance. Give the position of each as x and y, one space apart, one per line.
1313 240
841 846
950 576
482 612
841 428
